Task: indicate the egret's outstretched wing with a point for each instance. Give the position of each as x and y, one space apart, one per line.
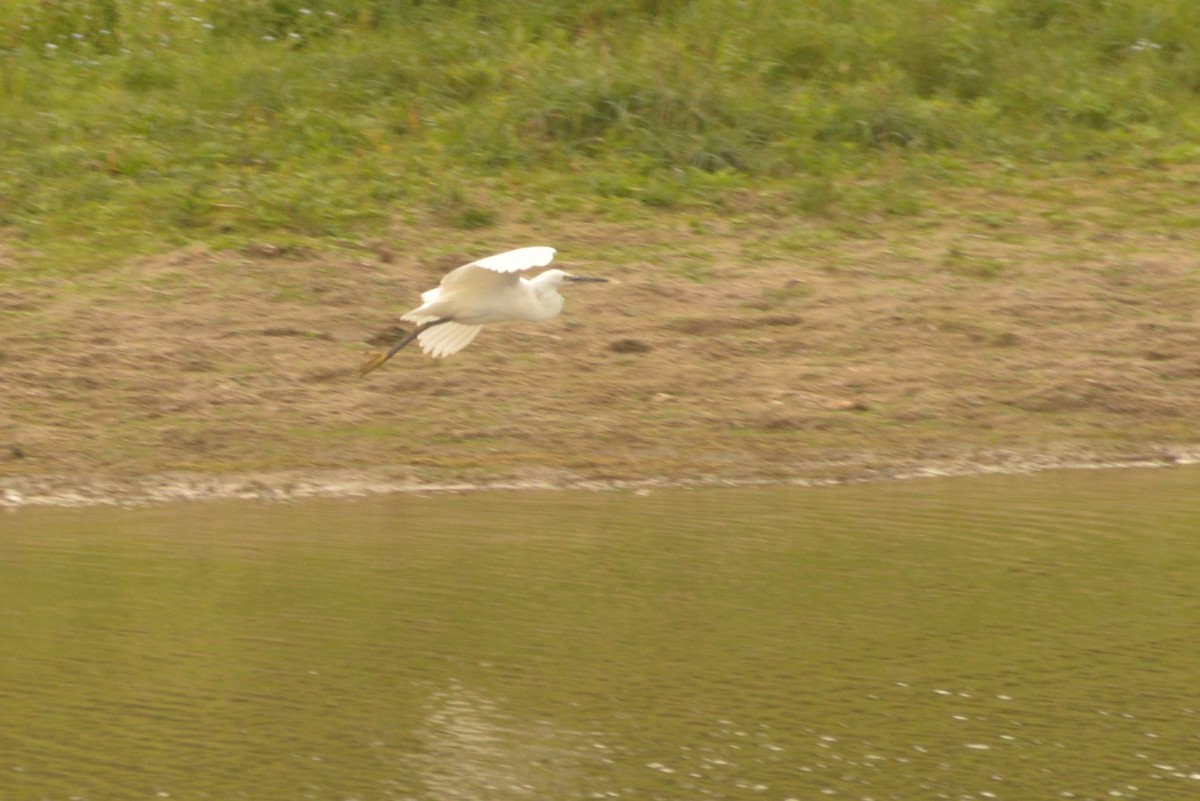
514 261
495 271
447 339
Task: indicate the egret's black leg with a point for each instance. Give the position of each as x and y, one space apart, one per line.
379 358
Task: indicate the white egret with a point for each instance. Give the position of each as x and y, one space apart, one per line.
485 291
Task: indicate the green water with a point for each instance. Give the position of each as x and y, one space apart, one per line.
986 638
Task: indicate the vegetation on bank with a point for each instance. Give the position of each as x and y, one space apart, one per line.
130 126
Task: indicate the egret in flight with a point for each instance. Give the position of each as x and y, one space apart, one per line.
485 291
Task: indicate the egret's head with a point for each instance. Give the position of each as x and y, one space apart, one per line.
553 279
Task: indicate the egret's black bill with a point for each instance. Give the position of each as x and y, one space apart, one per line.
589 279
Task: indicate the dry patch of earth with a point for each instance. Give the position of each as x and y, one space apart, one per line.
1038 329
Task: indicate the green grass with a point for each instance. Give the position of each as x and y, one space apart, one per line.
129 126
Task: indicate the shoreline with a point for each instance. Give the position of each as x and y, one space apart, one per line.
738 355
61 491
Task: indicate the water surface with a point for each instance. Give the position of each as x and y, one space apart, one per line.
982 638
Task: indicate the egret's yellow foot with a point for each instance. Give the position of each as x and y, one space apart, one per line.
371 363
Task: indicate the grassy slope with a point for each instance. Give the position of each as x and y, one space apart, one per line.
131 127
998 191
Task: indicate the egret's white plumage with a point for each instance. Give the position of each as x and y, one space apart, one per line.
447 339
486 291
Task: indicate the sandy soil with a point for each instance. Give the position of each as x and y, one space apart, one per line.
1040 329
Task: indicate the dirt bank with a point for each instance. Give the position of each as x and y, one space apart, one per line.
734 348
